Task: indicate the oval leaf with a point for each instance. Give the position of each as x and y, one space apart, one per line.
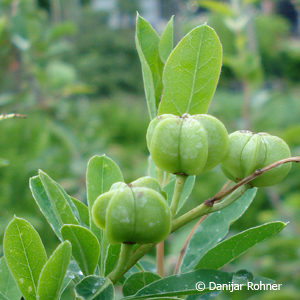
85 247
8 286
95 288
183 284
137 281
53 273
215 227
102 172
147 44
191 73
233 247
166 41
25 255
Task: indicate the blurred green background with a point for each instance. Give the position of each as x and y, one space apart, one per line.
71 67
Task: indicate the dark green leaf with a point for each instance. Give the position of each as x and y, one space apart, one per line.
53 273
233 247
95 288
191 73
183 284
85 247
137 281
147 44
8 287
210 232
25 255
166 41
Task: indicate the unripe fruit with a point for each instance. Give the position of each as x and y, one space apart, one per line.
250 151
133 213
187 144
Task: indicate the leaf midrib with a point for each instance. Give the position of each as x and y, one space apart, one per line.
31 275
196 71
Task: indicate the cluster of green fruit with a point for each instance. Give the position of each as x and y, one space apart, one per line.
185 145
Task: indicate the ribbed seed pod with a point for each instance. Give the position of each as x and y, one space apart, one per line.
187 144
250 151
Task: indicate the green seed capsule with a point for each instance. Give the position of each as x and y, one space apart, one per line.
250 151
148 182
133 213
187 144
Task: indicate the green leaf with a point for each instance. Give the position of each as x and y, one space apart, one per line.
205 296
112 258
95 288
137 281
233 247
83 211
264 280
69 292
183 284
210 232
187 190
242 277
218 7
60 199
44 204
191 73
102 172
147 44
53 273
55 204
25 255
8 287
73 274
166 41
85 247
